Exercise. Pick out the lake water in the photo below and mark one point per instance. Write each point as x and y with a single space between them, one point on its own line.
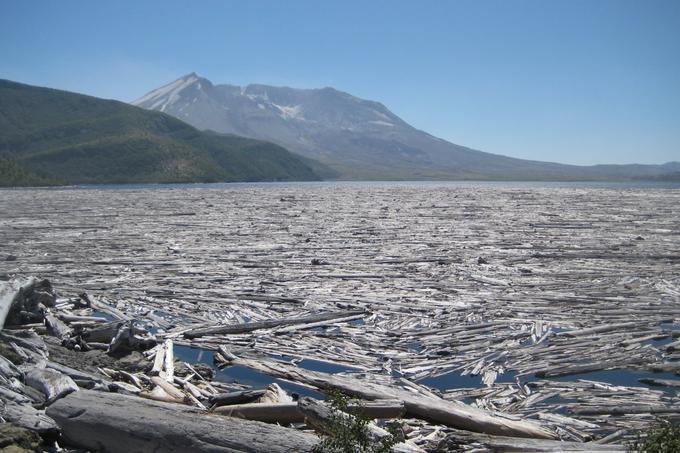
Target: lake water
382 184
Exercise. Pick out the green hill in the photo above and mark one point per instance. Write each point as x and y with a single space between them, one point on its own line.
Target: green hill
56 137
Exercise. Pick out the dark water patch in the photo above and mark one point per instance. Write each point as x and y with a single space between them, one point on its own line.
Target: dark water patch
415 346
239 374
101 314
255 379
621 377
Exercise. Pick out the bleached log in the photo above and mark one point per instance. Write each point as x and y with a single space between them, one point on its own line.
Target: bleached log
123 424
450 413
169 360
51 383
513 444
622 409
319 416
159 360
159 394
56 327
283 413
269 324
275 394
27 416
245 396
289 412
314 325
9 292
103 333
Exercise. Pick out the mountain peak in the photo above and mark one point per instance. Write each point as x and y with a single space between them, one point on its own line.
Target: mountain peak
164 96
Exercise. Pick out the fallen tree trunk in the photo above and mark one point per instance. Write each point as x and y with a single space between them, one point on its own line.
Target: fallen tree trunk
290 412
9 292
621 410
50 383
458 439
114 423
319 416
242 397
271 323
450 413
27 416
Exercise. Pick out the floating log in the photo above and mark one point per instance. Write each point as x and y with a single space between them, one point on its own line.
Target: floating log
620 410
319 416
458 439
269 324
450 413
245 396
290 412
122 424
660 382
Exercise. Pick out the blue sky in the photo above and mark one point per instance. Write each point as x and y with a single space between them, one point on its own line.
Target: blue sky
581 82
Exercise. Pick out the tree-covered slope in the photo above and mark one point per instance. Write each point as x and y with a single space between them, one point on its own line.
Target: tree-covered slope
52 136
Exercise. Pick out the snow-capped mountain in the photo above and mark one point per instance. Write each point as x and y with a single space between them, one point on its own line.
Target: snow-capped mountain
356 138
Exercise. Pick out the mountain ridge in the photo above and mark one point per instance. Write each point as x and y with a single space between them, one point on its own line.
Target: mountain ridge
357 138
50 136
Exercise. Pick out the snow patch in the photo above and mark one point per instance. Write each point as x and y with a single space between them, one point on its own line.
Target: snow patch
290 112
382 123
166 95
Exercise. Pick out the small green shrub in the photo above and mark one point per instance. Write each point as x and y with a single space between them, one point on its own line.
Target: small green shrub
662 437
350 434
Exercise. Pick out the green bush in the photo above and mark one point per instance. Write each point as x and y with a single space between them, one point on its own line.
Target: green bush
348 432
662 437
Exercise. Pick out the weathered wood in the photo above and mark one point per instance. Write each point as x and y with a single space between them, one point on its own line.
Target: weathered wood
9 293
103 333
661 382
450 413
513 444
554 260
50 382
269 324
619 410
289 412
56 327
122 424
27 416
244 396
319 416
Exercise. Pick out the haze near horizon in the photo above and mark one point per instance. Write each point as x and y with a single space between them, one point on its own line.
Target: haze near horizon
572 82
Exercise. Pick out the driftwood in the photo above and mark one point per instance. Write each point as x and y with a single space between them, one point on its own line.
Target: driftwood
450 413
50 382
319 416
661 382
10 293
555 262
122 424
499 444
26 416
269 324
242 397
290 412
57 327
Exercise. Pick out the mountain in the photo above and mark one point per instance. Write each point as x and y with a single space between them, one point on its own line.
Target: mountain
357 138
50 136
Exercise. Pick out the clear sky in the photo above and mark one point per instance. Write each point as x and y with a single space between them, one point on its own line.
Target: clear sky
577 81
